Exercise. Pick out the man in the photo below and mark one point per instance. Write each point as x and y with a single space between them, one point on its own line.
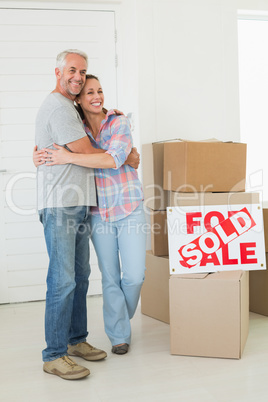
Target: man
65 194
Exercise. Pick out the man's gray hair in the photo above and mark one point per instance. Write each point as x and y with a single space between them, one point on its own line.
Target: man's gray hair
61 58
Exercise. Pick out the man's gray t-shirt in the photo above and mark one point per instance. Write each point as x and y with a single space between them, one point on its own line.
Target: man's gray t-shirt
67 185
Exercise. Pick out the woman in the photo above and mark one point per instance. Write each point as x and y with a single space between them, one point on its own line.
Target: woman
117 223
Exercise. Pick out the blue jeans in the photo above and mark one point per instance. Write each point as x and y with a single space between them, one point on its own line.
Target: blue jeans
123 240
67 238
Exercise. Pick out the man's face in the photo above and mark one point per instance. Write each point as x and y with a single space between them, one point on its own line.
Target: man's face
73 77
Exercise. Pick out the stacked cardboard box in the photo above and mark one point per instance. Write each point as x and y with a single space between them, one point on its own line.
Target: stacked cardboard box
206 166
258 291
187 167
214 326
258 280
205 304
156 198
209 314
183 172
155 290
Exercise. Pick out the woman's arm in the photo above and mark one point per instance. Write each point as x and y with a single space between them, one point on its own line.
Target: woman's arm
120 140
42 156
62 156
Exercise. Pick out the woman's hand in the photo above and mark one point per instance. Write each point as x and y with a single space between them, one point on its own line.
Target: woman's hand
38 157
58 156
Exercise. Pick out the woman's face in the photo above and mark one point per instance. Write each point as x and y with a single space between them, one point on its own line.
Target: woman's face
91 97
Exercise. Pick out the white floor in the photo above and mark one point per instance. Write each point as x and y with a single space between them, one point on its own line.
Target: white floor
147 373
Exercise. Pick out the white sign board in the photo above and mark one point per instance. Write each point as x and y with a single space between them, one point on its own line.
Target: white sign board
211 238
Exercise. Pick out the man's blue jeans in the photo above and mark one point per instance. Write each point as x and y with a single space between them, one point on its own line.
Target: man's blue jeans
67 238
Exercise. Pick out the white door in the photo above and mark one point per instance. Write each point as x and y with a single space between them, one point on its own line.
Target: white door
30 41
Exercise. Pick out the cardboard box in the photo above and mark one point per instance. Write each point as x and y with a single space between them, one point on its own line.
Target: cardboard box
209 314
159 235
193 199
210 232
155 289
265 224
155 197
191 166
258 291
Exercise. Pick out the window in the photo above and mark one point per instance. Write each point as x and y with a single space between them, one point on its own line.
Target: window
253 82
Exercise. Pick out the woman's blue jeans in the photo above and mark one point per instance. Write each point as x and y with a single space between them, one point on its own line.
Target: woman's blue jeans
123 240
67 238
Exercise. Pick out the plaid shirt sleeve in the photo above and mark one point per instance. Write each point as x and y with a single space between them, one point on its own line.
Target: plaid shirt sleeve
121 140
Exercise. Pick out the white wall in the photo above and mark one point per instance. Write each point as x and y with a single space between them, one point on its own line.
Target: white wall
188 68
178 64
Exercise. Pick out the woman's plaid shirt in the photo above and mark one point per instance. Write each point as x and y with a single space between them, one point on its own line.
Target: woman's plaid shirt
119 190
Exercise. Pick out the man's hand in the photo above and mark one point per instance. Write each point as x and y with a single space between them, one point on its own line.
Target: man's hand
117 112
133 159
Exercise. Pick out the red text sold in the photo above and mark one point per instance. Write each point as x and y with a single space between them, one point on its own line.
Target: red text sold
216 238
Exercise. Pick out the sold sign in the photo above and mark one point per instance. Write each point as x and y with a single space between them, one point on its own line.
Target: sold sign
216 238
